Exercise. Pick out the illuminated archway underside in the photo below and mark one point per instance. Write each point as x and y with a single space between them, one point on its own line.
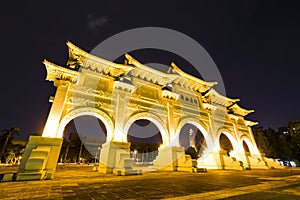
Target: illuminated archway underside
119 94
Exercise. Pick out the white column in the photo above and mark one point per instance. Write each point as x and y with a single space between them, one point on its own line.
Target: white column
121 103
171 123
52 124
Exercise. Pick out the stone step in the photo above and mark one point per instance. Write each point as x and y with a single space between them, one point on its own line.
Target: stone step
126 172
8 177
28 175
201 169
35 163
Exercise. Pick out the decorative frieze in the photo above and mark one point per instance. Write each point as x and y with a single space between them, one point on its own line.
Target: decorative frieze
123 86
170 95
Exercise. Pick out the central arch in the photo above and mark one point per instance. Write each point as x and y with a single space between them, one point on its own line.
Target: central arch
152 118
145 139
199 127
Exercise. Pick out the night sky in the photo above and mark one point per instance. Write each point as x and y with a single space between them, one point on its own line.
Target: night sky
255 45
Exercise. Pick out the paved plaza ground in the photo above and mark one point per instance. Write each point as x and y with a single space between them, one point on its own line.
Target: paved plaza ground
79 182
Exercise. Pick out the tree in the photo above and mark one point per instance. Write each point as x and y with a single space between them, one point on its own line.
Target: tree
262 141
73 149
146 151
284 150
192 152
295 143
272 141
6 140
275 144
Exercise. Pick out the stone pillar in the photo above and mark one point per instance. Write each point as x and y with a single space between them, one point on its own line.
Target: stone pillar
115 158
115 154
271 163
218 159
255 149
173 158
41 153
256 161
212 160
57 107
120 99
228 162
254 158
170 121
119 116
39 159
244 157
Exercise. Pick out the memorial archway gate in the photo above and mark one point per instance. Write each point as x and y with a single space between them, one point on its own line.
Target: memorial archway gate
118 95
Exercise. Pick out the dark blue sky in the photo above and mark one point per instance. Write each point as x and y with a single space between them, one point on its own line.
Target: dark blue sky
255 45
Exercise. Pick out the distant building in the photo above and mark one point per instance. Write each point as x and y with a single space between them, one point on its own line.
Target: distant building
294 126
93 143
74 137
284 130
20 142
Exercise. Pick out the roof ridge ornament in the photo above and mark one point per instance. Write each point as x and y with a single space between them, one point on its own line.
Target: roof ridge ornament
213 96
148 73
239 110
80 58
56 72
73 49
131 60
192 82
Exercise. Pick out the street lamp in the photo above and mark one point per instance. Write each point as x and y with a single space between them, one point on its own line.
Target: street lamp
96 156
99 149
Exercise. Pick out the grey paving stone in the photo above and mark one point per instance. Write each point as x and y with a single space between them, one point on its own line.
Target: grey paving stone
82 183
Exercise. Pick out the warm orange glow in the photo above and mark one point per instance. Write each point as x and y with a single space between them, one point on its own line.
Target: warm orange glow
50 130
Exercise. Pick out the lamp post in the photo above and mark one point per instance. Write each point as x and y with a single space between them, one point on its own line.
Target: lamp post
99 149
96 155
80 150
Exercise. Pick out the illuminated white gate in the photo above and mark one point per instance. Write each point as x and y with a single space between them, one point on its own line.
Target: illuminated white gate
119 94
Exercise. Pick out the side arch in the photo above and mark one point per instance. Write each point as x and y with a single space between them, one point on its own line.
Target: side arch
250 145
233 140
104 117
159 123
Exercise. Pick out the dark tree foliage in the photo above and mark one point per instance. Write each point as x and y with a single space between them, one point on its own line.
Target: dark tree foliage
277 144
192 152
295 143
143 147
145 152
73 149
6 145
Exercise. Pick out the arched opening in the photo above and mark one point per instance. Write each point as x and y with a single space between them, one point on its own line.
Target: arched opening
193 140
225 143
145 138
83 138
246 148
